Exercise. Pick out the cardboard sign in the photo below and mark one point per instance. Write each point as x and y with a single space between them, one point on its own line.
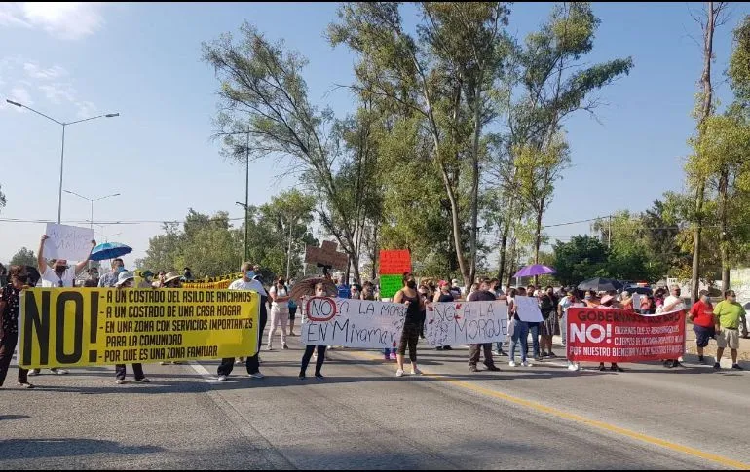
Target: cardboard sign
327 255
528 309
68 242
455 323
396 261
389 285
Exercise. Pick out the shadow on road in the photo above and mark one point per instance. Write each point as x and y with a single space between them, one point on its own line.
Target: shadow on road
13 417
37 448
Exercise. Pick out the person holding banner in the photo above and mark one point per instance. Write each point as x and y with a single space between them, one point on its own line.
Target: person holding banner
482 295
247 282
171 280
61 276
125 280
310 348
608 301
671 303
9 311
414 302
443 295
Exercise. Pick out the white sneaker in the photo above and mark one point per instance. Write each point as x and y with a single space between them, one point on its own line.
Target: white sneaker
256 375
239 362
59 371
222 378
416 372
511 364
573 368
119 381
33 373
269 347
163 363
399 373
527 364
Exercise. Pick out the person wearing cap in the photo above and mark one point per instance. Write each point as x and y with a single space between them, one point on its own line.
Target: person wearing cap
247 282
608 301
125 280
61 276
728 314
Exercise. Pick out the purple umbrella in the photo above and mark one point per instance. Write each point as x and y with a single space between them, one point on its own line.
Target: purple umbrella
536 269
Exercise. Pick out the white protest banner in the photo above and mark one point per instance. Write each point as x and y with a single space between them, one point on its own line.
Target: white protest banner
68 242
351 323
528 309
456 323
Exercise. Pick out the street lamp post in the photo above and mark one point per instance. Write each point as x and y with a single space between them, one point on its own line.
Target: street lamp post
92 200
62 145
244 242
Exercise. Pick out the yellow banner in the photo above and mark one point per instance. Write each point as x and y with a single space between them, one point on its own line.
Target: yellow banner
103 326
218 285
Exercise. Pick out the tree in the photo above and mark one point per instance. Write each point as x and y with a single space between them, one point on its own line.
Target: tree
554 85
24 257
3 201
263 95
440 80
712 16
580 259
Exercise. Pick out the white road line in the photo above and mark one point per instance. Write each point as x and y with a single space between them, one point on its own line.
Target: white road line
200 370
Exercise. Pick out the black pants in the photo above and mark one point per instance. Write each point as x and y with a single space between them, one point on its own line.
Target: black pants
474 351
410 337
121 371
7 347
251 363
308 355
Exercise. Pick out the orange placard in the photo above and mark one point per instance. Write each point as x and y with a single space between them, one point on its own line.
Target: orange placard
395 261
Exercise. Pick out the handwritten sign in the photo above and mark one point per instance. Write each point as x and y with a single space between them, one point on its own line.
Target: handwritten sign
528 309
326 255
68 242
396 261
389 285
351 323
466 323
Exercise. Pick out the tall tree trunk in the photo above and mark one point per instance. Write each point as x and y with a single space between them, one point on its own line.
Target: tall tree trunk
538 237
503 249
475 177
705 112
512 259
724 237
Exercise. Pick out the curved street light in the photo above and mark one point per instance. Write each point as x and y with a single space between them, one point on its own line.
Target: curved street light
62 146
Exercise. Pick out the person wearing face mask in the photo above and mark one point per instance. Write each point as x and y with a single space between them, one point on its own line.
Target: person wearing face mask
247 282
9 311
728 313
702 316
279 312
548 305
110 278
414 302
60 276
310 348
444 295
672 303
483 294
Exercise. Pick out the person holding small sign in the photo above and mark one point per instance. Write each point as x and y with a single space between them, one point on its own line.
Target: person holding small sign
61 276
310 348
415 303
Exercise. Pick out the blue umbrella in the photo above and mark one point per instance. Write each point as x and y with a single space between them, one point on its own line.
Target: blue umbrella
109 251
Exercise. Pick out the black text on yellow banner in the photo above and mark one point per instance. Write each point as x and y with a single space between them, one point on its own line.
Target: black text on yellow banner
101 326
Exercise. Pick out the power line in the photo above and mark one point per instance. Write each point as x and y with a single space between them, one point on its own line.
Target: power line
107 223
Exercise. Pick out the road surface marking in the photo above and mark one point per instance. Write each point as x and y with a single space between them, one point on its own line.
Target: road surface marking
580 419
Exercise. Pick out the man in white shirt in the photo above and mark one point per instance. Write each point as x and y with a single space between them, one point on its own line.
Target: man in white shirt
673 303
61 276
247 282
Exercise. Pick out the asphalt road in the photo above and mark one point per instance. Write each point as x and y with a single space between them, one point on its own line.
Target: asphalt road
361 416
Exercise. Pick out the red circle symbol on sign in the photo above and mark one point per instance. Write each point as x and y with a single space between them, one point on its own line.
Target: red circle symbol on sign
320 308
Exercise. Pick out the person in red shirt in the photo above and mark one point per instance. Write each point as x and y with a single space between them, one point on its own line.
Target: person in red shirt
702 316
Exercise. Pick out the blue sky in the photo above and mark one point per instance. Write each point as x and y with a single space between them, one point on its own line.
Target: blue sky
72 61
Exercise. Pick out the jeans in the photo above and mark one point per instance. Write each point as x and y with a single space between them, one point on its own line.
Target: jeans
534 328
121 371
251 363
410 338
308 355
388 350
520 333
7 346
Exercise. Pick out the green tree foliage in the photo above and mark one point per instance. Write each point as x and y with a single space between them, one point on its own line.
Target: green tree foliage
24 257
264 96
579 259
3 201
